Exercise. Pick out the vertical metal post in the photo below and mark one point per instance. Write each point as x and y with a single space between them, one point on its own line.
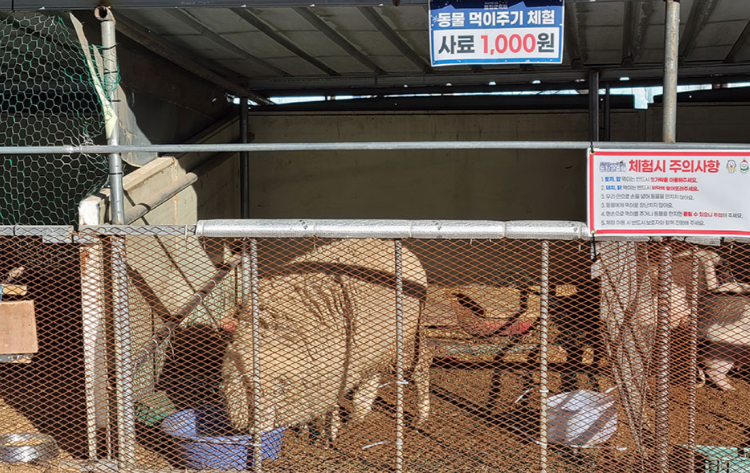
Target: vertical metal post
111 72
594 106
399 361
671 51
607 115
543 351
244 160
250 295
123 356
661 408
693 357
94 343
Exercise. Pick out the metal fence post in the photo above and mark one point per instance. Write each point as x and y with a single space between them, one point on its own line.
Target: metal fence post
593 106
250 294
693 357
123 357
94 343
671 51
661 408
399 360
543 352
111 71
244 161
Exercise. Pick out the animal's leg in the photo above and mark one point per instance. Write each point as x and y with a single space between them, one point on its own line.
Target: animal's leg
422 381
717 369
364 397
334 424
235 392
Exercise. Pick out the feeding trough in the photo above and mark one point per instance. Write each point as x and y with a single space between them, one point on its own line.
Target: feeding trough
206 441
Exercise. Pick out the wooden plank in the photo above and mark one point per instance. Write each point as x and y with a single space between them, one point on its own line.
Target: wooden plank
14 290
18 328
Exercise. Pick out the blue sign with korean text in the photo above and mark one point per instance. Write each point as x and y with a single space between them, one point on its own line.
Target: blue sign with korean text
475 32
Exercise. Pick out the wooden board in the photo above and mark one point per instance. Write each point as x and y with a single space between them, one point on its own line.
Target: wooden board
13 290
17 328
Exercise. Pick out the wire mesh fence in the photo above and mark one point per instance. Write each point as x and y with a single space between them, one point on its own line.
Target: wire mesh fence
160 350
49 96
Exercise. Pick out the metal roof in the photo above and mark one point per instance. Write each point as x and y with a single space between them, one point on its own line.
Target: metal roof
289 46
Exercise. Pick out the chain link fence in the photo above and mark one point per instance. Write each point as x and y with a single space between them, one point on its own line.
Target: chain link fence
161 349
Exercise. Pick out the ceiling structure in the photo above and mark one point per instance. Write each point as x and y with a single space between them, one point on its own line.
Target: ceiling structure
288 47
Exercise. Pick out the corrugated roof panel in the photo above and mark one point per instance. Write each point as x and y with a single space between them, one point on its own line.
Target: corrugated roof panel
282 19
344 64
259 45
221 20
715 41
159 21
343 18
296 66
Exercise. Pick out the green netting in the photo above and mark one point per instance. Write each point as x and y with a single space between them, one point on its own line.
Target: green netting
48 97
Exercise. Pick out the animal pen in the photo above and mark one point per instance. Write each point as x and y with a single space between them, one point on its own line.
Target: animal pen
415 346
340 345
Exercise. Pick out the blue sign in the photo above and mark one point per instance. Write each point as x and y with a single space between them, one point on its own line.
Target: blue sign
475 32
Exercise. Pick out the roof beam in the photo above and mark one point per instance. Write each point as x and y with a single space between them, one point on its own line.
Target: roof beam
634 30
572 43
379 23
337 38
546 74
699 15
165 50
256 22
739 45
188 19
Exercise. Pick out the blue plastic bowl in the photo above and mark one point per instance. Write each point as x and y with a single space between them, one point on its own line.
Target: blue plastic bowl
198 433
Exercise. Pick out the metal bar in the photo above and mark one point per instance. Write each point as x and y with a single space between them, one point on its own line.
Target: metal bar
607 115
244 161
255 347
309 15
261 26
671 49
368 146
661 402
399 361
397 41
543 351
94 343
425 229
123 360
594 105
111 72
693 358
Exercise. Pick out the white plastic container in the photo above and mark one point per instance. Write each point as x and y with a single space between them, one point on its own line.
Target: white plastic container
581 418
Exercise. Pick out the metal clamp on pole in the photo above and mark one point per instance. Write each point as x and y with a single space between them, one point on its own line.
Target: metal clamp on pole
112 126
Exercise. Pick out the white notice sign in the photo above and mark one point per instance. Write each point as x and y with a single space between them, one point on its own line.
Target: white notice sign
669 193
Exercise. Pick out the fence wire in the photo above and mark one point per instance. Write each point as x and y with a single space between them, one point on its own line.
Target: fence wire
48 97
172 352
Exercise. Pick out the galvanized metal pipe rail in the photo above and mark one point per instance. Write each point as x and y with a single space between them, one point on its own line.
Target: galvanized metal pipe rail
365 146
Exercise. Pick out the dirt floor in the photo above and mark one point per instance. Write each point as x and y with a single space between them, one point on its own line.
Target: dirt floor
476 425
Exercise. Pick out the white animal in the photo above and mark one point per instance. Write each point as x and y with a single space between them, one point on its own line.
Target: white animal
723 315
327 328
